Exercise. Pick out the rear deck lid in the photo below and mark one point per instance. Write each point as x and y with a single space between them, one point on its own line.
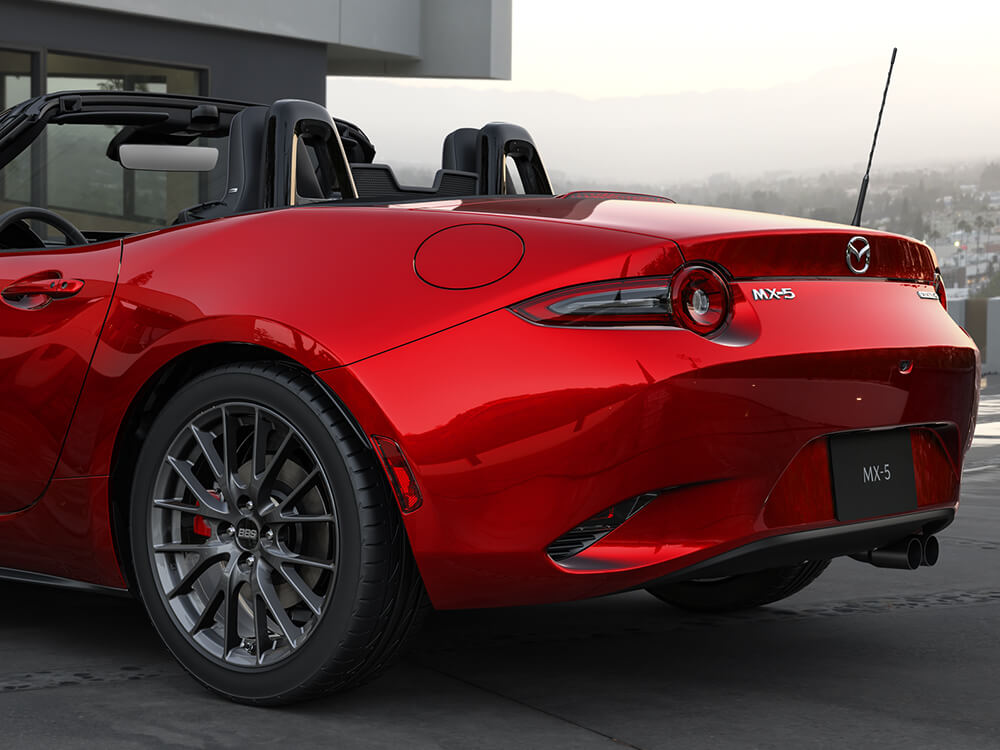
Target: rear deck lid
746 243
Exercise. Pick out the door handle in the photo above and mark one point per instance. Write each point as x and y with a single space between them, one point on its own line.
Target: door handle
37 291
57 288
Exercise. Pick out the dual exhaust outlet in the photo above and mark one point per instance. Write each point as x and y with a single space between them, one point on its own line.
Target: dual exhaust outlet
906 554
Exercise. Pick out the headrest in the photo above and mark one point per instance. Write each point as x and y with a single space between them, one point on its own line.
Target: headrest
460 150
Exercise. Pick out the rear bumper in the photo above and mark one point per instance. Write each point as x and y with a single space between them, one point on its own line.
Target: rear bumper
516 433
815 544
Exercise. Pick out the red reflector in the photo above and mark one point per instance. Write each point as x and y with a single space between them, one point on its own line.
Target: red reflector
201 527
404 486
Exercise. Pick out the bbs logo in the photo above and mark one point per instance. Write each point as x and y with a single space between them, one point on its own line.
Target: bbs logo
783 293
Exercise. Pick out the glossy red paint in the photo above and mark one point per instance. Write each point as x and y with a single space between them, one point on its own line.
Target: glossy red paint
746 243
66 534
45 349
174 297
584 419
514 432
441 259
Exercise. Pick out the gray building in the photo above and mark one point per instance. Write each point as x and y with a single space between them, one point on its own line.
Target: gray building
249 50
255 50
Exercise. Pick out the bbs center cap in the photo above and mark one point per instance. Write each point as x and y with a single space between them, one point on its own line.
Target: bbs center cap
247 535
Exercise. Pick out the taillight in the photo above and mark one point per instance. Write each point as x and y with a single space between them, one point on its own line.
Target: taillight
404 485
701 299
624 302
696 297
939 288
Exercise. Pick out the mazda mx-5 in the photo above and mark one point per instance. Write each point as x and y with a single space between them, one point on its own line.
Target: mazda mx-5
290 403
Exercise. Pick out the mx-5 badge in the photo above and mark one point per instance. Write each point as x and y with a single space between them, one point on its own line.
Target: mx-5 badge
783 293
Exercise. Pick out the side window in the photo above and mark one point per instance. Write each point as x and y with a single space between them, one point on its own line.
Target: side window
67 170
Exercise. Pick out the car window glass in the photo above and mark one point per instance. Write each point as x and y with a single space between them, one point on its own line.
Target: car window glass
67 170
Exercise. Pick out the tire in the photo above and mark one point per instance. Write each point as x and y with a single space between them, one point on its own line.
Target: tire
744 591
268 550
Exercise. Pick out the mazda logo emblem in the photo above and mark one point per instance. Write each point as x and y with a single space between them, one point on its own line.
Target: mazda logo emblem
859 254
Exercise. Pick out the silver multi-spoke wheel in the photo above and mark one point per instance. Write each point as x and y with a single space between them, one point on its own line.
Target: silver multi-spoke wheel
244 534
266 545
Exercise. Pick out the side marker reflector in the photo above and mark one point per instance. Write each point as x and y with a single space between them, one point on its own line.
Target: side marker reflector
404 485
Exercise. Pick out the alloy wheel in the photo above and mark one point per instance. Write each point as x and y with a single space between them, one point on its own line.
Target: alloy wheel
244 538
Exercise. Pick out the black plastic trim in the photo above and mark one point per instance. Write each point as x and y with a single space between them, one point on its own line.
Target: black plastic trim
348 417
815 544
25 576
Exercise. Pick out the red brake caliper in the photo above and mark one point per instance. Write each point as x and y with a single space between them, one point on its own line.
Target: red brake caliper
201 526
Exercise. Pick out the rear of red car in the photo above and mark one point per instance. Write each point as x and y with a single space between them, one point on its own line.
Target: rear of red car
780 393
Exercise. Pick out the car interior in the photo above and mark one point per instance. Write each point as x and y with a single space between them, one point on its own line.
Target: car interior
243 157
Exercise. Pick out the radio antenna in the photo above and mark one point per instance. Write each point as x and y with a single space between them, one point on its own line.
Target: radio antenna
864 181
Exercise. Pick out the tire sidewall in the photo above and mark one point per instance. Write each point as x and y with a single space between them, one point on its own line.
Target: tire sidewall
254 684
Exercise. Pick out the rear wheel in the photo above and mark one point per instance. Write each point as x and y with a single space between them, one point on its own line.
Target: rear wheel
744 591
267 550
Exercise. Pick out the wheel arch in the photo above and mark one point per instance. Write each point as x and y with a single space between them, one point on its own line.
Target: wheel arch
145 405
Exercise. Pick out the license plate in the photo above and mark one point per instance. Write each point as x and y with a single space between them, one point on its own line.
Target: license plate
872 474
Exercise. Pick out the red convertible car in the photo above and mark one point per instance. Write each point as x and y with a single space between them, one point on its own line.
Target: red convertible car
291 404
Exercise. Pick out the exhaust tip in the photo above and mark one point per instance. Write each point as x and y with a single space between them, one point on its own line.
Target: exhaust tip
914 553
932 551
906 554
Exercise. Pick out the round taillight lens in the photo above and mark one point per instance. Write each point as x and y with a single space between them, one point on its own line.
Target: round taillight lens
701 299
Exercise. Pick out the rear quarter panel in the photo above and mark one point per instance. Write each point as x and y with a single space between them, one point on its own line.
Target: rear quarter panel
322 286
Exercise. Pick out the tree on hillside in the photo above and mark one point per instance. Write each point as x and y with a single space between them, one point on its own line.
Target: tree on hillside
991 177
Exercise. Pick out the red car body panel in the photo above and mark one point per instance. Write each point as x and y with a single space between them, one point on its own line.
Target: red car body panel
44 356
581 420
516 432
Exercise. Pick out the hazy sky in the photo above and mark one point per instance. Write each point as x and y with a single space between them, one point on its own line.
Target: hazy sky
698 88
603 48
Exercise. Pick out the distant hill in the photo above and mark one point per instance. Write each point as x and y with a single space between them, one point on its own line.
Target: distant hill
823 122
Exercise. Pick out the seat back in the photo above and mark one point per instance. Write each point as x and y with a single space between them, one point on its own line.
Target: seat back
246 149
294 127
486 152
244 181
460 150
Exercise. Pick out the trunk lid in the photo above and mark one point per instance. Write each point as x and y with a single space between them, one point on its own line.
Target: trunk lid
746 243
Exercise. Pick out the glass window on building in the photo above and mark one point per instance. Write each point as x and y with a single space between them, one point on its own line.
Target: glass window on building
70 72
15 78
15 87
67 168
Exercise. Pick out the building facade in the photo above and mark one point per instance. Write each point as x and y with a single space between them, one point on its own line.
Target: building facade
254 50
247 50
